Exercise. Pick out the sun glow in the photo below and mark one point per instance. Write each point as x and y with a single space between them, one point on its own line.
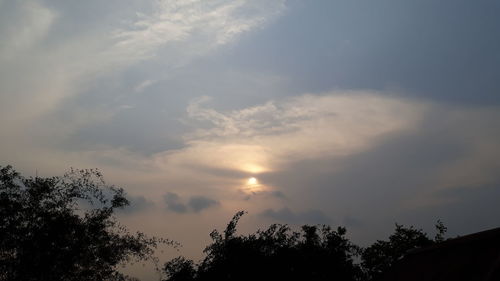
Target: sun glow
252 185
252 181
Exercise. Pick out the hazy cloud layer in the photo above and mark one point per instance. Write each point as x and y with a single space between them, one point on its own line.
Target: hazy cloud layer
137 205
358 113
174 204
394 170
203 24
44 67
287 216
194 204
33 23
199 203
267 137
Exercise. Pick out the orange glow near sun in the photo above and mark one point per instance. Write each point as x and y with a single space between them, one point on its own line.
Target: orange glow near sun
252 181
252 185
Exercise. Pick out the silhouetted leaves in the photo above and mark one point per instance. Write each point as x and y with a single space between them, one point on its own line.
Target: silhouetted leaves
180 269
313 253
440 232
277 253
63 228
380 256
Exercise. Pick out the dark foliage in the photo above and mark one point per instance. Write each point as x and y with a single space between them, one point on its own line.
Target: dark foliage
180 269
63 228
380 256
314 253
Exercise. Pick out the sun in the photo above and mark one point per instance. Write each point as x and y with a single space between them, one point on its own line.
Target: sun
252 181
252 186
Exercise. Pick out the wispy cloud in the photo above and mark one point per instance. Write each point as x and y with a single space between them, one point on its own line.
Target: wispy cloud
39 75
29 24
183 29
196 203
287 143
205 25
268 137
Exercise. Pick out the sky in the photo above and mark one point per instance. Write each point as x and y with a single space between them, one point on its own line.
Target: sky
354 113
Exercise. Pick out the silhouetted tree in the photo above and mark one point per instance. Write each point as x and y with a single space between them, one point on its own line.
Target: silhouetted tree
180 269
380 256
315 253
63 228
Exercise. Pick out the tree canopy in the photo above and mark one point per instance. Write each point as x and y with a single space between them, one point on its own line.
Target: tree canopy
277 253
313 253
381 255
64 228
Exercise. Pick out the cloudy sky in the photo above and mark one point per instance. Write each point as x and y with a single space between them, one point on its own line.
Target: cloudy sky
355 113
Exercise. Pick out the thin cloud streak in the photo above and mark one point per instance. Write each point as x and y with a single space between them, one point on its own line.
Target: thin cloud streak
188 29
267 137
215 23
39 75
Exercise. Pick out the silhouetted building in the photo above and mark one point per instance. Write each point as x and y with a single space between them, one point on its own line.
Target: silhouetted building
472 257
